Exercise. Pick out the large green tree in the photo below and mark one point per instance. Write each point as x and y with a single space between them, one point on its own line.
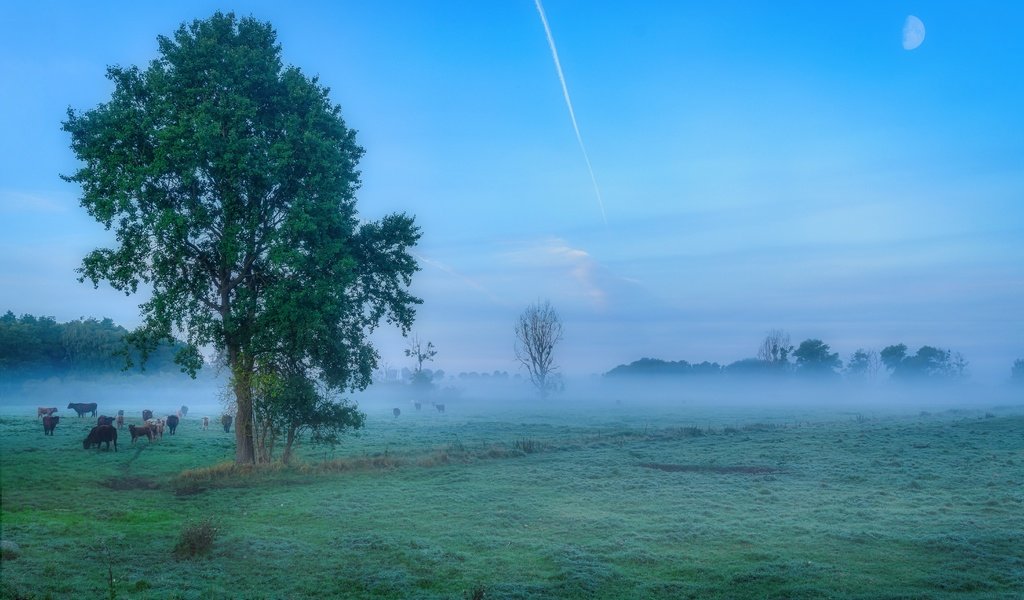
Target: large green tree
230 180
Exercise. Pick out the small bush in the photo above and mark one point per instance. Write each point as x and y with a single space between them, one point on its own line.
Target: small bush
196 539
527 446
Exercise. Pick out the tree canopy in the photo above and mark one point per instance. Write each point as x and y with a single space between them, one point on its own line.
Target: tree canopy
31 345
927 362
815 357
230 180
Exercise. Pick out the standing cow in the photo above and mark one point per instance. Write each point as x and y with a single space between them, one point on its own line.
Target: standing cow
49 424
43 412
137 432
99 435
104 420
147 414
206 423
226 422
83 407
172 423
183 412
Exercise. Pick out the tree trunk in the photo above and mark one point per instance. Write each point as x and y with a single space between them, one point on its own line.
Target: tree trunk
286 458
241 371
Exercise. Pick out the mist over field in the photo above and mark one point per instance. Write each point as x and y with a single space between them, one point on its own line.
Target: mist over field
431 271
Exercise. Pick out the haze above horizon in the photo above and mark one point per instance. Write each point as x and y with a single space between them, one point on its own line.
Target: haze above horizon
759 168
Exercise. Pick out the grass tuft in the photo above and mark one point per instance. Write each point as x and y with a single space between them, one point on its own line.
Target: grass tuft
196 539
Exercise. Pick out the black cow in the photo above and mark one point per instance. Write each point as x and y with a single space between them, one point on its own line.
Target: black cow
183 412
82 407
172 423
49 424
226 422
396 411
147 414
103 420
99 435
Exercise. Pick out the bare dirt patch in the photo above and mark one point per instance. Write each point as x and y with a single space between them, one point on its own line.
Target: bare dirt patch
723 469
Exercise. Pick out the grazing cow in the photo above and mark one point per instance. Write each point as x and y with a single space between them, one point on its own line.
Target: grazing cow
226 422
396 412
206 423
120 420
99 435
140 431
183 412
439 407
49 424
105 420
44 412
82 407
172 423
147 414
417 405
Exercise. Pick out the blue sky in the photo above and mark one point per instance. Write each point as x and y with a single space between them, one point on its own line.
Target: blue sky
762 165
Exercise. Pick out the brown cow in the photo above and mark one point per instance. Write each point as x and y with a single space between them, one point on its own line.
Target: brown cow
103 420
44 412
141 431
49 424
99 435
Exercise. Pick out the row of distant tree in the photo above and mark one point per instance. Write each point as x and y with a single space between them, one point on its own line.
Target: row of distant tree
814 358
30 344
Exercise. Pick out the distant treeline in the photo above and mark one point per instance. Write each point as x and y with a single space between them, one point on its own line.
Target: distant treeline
31 345
814 358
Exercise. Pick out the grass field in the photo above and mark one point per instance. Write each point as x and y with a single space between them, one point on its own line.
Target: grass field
523 503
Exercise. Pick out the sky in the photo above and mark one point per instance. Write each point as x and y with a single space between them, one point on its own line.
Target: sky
760 165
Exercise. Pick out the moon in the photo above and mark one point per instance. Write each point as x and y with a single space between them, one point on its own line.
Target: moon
913 32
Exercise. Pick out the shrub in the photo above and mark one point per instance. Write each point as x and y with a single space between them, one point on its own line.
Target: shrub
196 539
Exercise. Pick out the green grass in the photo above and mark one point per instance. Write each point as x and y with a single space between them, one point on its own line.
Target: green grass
528 505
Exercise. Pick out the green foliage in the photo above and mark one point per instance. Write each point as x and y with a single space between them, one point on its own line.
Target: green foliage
928 362
229 180
30 344
654 366
813 357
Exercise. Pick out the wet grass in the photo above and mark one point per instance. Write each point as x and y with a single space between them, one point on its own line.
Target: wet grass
527 505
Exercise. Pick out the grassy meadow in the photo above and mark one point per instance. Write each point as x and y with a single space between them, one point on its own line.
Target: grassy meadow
523 502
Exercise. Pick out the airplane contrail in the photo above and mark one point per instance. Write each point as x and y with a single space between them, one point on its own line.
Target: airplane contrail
568 103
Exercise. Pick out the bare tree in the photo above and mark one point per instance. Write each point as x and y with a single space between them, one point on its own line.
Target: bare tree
538 330
775 348
420 353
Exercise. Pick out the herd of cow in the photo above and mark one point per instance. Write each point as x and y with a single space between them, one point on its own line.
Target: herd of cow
105 431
